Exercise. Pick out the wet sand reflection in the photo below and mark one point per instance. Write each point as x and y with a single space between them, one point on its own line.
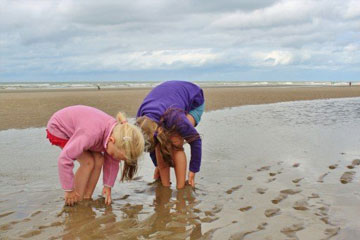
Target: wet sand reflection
174 216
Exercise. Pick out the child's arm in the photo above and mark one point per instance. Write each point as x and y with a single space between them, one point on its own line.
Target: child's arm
189 133
110 172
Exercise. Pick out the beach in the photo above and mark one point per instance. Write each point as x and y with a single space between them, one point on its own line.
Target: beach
278 163
33 108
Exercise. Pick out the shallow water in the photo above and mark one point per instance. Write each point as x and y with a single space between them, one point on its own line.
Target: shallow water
277 171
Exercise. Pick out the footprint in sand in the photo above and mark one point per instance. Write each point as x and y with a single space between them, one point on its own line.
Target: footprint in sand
54 224
272 212
6 214
241 235
265 168
208 219
291 231
322 212
216 209
261 190
296 164
290 191
244 209
249 178
271 180
333 166
330 232
301 205
283 195
126 196
297 180
314 195
140 190
279 198
8 226
230 191
325 220
355 162
31 234
209 213
321 178
347 177
35 213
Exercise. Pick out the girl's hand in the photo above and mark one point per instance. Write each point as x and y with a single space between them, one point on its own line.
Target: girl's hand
106 192
191 178
71 198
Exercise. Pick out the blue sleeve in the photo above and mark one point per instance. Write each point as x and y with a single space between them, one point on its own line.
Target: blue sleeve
153 158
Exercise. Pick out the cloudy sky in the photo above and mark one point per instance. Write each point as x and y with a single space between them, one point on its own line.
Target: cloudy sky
149 40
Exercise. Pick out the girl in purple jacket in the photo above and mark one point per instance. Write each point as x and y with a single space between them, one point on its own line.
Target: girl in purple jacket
96 140
167 116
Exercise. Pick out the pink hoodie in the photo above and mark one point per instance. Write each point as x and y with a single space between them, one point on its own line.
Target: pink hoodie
86 128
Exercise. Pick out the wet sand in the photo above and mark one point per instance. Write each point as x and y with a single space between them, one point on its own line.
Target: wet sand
274 171
23 109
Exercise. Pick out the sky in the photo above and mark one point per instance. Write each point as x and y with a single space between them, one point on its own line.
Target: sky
199 40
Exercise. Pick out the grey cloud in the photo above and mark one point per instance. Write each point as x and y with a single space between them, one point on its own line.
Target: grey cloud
65 36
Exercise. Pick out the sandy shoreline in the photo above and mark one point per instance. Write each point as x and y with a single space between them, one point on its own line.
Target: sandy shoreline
23 109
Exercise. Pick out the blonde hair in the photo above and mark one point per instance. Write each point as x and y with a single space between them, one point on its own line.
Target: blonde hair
129 138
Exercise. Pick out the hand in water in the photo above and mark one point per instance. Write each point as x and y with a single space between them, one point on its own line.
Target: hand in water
106 192
191 178
71 198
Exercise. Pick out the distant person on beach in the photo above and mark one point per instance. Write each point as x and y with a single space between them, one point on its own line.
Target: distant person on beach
167 117
96 140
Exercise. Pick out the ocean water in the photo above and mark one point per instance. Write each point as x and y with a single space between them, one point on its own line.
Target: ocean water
276 171
143 84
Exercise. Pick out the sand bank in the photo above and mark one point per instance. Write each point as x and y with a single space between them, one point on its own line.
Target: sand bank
23 109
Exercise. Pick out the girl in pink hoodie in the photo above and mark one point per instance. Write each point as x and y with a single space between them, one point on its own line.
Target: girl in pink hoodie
96 140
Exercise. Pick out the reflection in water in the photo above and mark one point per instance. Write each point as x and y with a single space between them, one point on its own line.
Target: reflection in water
175 218
172 217
82 221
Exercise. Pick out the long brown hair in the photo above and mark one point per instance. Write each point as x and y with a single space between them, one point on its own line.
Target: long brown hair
161 133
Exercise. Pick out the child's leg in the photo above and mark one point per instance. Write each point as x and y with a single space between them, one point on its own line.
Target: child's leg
82 175
180 162
164 169
95 174
156 173
180 168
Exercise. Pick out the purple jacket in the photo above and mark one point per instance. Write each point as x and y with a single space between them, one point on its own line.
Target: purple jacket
176 94
86 128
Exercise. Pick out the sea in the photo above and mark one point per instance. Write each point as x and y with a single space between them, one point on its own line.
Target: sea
149 84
